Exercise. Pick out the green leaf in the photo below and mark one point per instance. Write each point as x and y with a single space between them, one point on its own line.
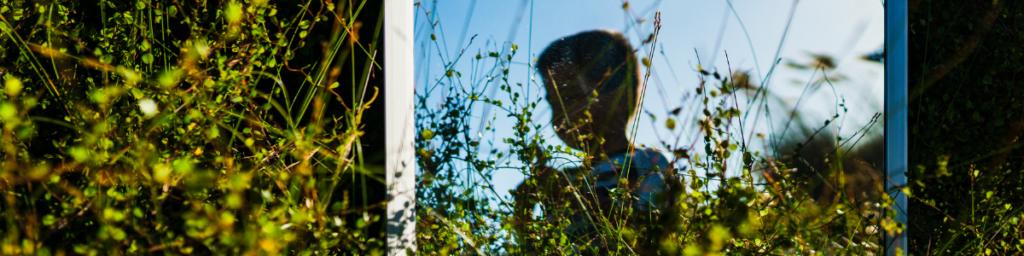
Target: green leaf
233 12
168 78
49 220
161 172
213 132
117 233
13 86
129 75
183 166
681 153
80 154
7 111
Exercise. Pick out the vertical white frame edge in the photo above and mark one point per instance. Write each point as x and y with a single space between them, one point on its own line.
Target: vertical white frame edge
398 111
896 118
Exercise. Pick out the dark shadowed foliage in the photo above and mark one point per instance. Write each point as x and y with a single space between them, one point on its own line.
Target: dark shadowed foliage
965 123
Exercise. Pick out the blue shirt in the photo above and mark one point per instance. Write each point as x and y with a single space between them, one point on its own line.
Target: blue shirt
646 171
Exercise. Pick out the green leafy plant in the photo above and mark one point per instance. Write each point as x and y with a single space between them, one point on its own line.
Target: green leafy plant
964 125
170 127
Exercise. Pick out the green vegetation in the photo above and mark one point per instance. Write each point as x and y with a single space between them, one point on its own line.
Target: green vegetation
768 208
965 123
189 127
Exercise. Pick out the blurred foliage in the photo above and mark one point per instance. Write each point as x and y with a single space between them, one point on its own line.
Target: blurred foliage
188 127
965 122
771 207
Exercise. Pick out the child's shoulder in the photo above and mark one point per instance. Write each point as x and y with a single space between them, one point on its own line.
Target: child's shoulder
646 158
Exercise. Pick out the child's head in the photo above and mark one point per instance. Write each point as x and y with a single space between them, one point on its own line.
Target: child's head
576 67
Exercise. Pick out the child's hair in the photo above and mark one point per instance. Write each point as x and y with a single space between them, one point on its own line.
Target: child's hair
596 54
574 67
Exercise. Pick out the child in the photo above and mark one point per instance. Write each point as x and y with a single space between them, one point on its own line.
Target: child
592 81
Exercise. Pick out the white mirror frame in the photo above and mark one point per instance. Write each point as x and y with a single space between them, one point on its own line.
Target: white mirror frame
399 122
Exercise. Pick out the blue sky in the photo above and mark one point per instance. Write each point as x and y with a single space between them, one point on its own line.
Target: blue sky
844 30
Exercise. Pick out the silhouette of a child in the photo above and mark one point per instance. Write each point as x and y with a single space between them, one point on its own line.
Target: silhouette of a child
592 81
593 76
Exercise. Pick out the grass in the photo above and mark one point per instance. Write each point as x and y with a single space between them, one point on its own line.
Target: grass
207 127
